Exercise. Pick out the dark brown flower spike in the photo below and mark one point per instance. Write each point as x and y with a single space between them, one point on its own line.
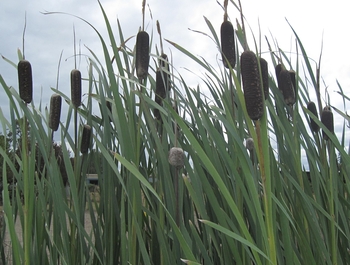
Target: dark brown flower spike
25 81
55 111
312 108
251 85
75 79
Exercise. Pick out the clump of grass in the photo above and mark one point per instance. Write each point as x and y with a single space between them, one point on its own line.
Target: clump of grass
229 207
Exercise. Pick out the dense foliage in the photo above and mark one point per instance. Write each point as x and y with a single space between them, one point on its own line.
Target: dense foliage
234 191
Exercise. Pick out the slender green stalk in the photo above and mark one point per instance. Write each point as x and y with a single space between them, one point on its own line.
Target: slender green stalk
263 155
332 193
26 191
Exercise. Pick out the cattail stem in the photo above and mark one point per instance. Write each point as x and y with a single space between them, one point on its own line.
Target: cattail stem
243 27
333 191
225 8
160 37
26 183
263 157
143 14
232 96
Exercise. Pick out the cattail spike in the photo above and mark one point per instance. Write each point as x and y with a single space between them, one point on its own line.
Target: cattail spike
85 139
176 157
265 77
251 85
228 44
327 120
312 108
278 69
142 55
75 81
55 111
294 82
25 81
285 85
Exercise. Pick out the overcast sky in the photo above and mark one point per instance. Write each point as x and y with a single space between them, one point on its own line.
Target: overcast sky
48 35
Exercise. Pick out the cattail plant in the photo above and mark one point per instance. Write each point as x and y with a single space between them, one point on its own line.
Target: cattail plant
251 85
265 76
312 108
75 79
327 120
228 49
85 139
142 49
55 111
285 85
25 81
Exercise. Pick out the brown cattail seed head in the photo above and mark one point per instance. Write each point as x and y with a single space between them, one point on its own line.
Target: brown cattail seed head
25 81
312 108
164 66
278 69
176 157
294 81
142 54
265 76
85 139
161 84
285 85
249 144
251 85
228 44
156 112
75 81
55 111
327 120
